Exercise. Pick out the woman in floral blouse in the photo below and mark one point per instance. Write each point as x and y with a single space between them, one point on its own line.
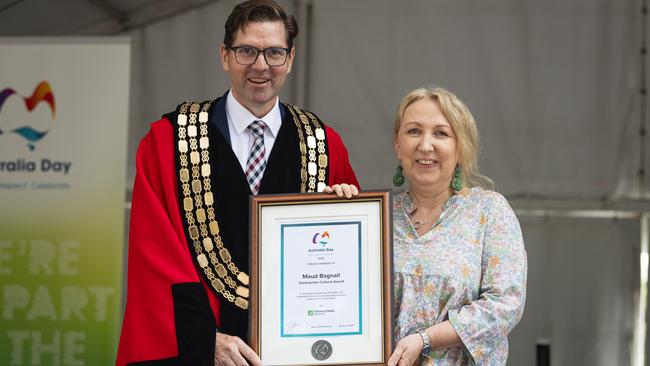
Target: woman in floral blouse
460 262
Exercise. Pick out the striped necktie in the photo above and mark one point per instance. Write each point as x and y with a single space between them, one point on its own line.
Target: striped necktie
255 164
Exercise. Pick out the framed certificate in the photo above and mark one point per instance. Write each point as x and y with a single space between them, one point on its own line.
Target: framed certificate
321 279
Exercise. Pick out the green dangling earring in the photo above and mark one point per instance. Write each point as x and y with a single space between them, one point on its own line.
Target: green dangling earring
398 177
457 182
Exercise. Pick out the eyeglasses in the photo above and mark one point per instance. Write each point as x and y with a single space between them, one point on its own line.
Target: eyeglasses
247 55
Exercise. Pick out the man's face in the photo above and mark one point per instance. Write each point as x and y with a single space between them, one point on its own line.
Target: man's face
256 86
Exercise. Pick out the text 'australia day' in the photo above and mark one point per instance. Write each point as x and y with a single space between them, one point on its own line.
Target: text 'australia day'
45 166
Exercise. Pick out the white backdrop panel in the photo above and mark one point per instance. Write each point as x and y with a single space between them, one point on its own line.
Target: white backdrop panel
583 275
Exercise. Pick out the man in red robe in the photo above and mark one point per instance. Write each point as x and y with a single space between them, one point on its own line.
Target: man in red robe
188 245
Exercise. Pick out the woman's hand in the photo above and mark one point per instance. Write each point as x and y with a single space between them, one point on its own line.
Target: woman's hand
343 189
407 351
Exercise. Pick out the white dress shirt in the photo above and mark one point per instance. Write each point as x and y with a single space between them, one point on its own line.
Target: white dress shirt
240 137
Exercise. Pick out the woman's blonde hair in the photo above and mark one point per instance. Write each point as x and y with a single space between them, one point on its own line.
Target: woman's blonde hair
463 124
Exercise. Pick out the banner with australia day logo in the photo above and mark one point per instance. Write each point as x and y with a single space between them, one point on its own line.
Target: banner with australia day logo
63 145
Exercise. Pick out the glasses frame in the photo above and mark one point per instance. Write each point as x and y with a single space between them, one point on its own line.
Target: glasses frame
260 51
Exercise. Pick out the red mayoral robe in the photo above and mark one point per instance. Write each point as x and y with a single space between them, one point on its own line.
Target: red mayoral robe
172 314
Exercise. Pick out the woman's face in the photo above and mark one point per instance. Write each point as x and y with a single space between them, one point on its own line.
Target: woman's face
426 145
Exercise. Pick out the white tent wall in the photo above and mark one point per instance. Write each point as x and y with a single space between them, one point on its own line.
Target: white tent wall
553 85
582 285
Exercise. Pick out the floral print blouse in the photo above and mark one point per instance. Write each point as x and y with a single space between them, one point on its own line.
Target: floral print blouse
470 269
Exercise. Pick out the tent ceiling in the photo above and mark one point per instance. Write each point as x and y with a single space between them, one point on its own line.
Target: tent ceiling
85 17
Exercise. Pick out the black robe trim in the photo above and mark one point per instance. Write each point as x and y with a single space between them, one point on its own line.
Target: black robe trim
195 332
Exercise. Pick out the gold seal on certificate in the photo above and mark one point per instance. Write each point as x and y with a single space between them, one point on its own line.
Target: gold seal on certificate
321 279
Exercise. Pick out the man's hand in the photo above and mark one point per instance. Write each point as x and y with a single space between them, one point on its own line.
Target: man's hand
232 351
343 189
407 351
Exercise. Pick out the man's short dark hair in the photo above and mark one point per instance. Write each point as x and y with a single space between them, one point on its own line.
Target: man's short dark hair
259 11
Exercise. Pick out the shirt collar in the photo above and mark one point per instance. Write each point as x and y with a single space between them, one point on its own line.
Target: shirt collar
240 117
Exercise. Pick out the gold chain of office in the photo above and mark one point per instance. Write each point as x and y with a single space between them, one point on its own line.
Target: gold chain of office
198 199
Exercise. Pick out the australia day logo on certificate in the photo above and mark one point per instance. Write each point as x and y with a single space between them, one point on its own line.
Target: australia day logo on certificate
321 240
321 286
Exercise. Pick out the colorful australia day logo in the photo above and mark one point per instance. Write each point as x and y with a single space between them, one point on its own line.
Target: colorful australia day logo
42 93
321 239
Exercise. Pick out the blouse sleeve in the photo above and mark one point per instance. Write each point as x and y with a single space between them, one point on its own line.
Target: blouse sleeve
485 322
